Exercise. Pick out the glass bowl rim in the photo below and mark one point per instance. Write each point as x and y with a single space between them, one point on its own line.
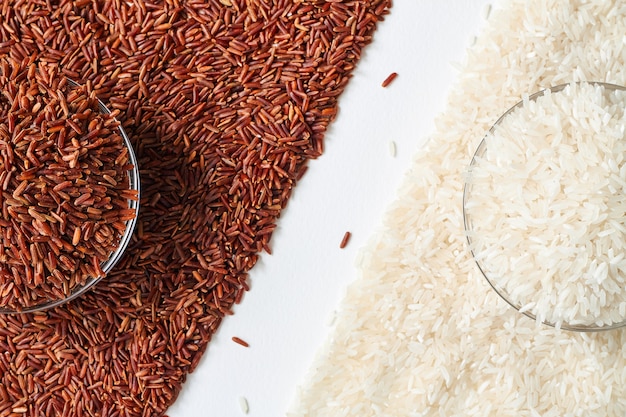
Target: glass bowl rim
109 264
480 149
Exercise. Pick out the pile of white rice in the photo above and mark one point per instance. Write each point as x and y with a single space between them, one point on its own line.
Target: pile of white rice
421 333
546 206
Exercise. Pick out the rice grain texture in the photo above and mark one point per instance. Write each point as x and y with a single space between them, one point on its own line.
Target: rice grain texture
420 332
224 102
545 203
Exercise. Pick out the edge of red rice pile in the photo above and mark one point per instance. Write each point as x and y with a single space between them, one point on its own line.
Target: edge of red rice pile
225 103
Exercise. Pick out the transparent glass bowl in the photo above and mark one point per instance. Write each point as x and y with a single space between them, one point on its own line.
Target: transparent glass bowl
109 264
468 219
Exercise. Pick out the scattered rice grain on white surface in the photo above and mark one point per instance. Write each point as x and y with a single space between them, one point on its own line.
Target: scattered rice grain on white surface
243 404
438 341
486 11
330 320
392 148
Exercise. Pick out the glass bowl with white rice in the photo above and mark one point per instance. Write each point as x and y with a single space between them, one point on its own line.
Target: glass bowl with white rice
544 206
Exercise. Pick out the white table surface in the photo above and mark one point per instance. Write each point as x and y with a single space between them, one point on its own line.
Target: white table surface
294 291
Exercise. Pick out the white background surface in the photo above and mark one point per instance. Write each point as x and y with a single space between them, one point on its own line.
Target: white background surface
294 291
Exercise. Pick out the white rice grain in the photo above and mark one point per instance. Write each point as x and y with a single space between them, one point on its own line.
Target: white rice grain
527 192
546 372
486 11
243 405
392 148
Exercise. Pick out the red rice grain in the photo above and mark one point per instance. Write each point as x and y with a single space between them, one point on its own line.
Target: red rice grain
240 341
58 181
389 79
224 104
345 240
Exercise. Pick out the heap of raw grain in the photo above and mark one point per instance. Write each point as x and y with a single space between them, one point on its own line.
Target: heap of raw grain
64 186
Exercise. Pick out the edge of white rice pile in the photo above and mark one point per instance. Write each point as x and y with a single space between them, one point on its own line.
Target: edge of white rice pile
546 206
420 332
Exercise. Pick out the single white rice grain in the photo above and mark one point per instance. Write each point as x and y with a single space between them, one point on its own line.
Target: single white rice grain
330 320
486 11
392 148
243 404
